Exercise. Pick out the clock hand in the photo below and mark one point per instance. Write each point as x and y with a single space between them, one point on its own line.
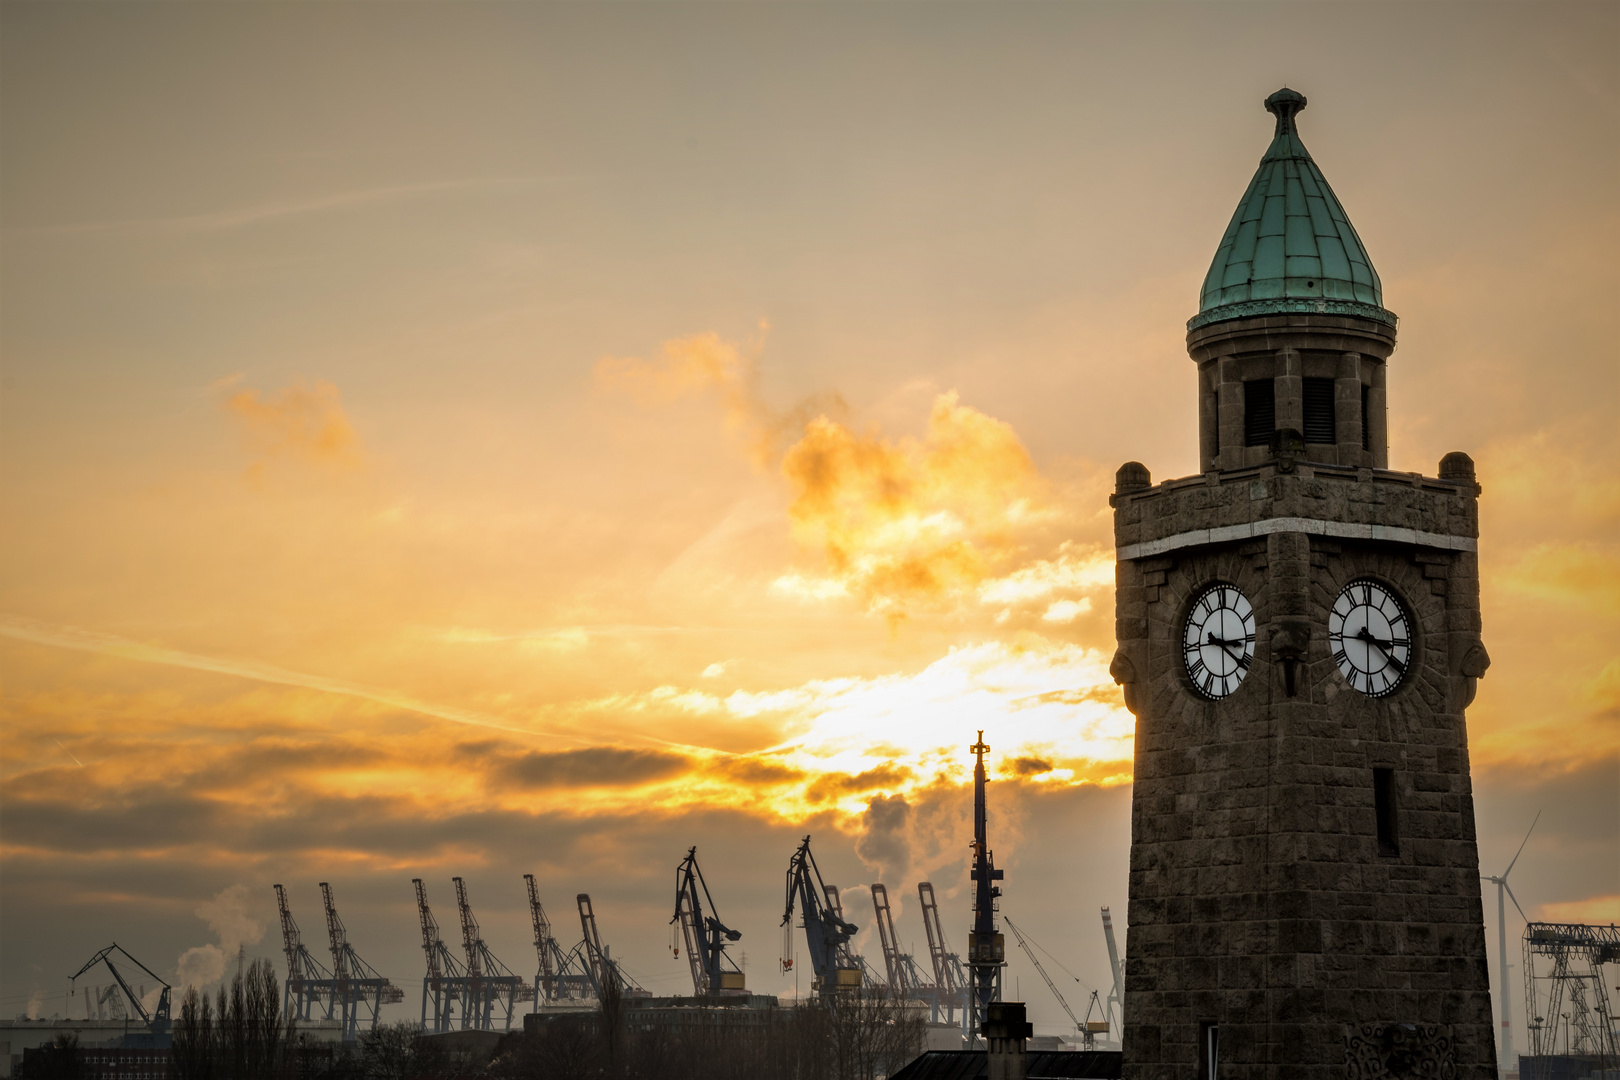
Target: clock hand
1226 646
1383 647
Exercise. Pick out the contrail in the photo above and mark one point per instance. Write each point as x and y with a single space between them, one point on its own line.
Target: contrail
70 637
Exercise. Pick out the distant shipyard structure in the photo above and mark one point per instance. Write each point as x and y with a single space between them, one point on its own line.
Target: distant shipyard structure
1299 635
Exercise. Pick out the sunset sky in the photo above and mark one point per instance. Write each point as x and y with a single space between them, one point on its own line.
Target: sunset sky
487 439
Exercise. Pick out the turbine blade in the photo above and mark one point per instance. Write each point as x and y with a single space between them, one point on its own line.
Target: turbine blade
1516 854
1515 900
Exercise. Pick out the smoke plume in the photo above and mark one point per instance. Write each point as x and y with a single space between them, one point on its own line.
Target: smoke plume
227 916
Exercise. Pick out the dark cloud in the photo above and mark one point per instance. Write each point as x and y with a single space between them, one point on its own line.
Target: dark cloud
593 767
885 842
1030 766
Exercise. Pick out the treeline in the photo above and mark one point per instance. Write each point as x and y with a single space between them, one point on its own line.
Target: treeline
242 1033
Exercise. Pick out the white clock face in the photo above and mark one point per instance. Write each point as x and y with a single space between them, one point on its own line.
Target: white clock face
1371 637
1217 644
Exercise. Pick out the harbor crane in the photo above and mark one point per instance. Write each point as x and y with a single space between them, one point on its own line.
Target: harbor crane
561 974
445 986
1569 1012
825 931
491 986
603 972
309 984
869 976
706 936
1088 1029
987 949
948 974
907 981
1114 1010
356 986
155 1019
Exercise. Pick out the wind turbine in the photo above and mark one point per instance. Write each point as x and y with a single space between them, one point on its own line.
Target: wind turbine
1502 888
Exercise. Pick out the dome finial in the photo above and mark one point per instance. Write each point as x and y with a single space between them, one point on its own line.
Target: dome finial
1285 104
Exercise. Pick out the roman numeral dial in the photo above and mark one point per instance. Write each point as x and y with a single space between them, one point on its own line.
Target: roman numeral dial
1371 638
1217 642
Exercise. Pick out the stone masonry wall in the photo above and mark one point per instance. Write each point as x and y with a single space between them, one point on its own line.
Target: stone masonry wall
1259 899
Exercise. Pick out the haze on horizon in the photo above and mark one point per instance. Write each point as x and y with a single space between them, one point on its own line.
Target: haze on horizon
496 439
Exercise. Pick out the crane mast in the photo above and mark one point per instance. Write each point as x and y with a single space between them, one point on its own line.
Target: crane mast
308 984
492 987
1115 1009
595 959
825 931
948 974
987 949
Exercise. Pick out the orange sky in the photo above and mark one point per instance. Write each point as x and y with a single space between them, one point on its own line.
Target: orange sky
496 439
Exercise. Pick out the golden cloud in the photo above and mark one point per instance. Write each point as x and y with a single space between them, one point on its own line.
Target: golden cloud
303 422
911 520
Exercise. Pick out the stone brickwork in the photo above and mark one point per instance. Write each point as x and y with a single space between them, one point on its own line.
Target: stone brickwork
1260 900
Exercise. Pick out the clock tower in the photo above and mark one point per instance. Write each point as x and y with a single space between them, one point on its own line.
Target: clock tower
1299 634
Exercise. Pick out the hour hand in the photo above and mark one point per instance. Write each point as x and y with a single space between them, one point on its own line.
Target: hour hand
1385 647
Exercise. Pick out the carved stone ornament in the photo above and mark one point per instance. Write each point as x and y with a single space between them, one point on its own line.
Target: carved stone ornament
1376 1051
1124 673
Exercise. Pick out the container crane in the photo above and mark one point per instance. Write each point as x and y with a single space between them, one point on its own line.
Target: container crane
826 933
906 981
560 974
869 977
356 985
445 985
309 985
706 936
491 985
598 964
948 974
156 1020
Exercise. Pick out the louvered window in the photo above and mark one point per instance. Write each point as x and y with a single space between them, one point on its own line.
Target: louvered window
1259 412
1319 411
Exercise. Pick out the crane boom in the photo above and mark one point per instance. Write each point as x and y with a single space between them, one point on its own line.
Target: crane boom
542 937
892 962
1116 996
156 1019
1050 985
706 936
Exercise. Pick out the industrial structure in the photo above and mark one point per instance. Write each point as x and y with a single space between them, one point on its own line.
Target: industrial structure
155 1020
561 976
356 988
713 972
826 933
949 975
493 990
987 947
1567 1000
603 972
445 987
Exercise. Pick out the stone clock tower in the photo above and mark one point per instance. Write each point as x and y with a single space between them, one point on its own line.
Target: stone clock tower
1299 635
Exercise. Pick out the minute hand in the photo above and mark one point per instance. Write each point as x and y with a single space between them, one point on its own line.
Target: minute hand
1384 647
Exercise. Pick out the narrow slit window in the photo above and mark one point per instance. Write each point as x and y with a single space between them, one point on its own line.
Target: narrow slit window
1259 412
1366 421
1389 837
1319 426
1209 1045
1217 420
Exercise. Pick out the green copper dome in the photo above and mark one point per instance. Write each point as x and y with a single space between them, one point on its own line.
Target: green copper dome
1290 246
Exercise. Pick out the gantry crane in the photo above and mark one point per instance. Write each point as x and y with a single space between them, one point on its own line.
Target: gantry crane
948 974
309 984
491 985
1569 1012
825 931
156 1019
445 987
356 986
601 967
561 974
706 936
906 981
1115 1008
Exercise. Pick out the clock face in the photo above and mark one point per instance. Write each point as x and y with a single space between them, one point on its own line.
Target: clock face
1217 644
1371 637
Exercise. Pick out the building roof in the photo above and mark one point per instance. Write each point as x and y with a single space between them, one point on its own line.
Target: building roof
1043 1065
1290 246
